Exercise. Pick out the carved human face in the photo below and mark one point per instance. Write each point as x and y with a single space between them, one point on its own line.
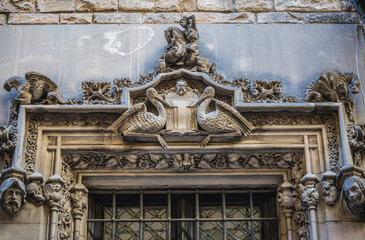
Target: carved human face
181 87
354 193
12 199
184 22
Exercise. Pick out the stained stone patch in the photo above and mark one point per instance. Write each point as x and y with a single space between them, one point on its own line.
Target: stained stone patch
215 5
331 17
308 5
117 18
161 18
175 5
56 5
17 6
76 18
2 19
202 17
136 5
254 6
33 18
96 5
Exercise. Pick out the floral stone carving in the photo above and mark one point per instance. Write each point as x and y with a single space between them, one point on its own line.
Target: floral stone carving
333 87
225 120
182 50
35 88
96 92
137 120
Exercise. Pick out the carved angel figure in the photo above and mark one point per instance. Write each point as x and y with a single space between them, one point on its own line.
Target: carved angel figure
333 87
35 88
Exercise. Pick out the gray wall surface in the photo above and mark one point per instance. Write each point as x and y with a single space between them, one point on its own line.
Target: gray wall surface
295 54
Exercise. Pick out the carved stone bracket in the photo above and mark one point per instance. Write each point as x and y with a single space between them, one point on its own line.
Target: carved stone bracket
286 195
79 205
353 190
35 189
12 190
329 185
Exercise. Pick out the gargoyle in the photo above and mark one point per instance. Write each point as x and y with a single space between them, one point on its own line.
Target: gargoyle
35 88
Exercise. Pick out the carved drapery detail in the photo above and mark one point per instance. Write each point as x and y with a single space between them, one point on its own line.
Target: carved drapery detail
182 161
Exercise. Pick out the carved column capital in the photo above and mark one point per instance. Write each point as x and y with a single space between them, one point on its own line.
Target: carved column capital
310 194
329 188
35 189
79 200
12 190
286 195
53 192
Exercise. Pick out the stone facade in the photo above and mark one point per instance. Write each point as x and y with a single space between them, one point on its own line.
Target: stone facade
167 12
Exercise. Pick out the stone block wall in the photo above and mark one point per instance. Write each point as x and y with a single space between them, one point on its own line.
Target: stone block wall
170 11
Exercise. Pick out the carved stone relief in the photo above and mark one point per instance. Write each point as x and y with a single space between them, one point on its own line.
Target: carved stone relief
329 185
356 136
353 192
35 189
12 195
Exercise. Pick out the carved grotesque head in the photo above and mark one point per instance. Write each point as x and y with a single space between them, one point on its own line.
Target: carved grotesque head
12 195
354 193
181 87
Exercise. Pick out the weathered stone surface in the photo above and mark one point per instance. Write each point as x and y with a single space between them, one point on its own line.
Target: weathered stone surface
308 5
136 5
96 5
348 6
161 18
2 19
56 5
17 5
254 5
215 5
33 18
176 5
343 17
224 17
278 17
117 18
76 18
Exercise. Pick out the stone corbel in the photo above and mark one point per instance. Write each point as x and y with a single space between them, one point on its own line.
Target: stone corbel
329 183
310 197
79 205
53 194
12 190
35 189
286 195
353 190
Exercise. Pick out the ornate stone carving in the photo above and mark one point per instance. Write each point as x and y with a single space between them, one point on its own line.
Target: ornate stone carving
356 136
329 188
182 161
310 194
53 192
35 189
353 193
137 120
264 91
333 87
79 200
37 88
182 50
12 195
8 140
225 120
286 195
96 92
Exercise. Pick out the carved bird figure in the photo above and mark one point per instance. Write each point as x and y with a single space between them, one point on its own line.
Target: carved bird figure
37 87
224 121
137 120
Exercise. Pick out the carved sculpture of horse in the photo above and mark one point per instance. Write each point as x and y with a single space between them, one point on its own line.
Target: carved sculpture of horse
334 87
